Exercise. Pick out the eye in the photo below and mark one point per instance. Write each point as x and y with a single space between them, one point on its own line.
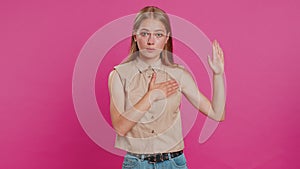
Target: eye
158 35
144 34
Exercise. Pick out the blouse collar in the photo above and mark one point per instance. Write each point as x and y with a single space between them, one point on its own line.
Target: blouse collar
141 65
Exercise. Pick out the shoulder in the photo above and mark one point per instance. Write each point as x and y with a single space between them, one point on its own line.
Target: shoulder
180 73
176 69
124 66
125 69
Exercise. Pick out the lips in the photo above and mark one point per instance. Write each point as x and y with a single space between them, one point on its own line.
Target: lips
150 50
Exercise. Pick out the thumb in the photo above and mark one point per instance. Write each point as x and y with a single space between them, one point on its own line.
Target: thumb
153 78
209 61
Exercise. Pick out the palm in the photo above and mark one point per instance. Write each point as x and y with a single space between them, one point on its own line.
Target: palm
217 62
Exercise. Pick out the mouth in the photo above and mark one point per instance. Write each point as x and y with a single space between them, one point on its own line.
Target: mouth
150 49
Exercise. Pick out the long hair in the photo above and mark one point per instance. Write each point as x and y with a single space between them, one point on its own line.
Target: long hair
156 13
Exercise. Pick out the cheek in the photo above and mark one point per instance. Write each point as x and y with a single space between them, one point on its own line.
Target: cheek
140 44
143 44
160 45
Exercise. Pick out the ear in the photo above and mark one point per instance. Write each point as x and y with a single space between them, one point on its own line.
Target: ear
168 35
134 35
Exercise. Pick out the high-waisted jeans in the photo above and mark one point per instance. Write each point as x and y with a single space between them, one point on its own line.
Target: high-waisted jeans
132 162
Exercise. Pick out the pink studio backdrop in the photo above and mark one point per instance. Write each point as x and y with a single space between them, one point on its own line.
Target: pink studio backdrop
41 40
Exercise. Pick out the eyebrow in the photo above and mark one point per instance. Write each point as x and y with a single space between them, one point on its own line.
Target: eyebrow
157 30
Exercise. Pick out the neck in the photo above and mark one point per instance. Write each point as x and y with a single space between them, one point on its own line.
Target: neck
149 61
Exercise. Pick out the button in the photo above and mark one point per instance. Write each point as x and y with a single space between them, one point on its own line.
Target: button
152 131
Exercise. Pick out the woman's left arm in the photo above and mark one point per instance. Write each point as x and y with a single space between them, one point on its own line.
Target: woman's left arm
214 109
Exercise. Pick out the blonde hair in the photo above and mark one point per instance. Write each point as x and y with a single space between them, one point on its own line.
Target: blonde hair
156 13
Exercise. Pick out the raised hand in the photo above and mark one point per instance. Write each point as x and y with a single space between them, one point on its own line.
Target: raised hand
161 90
216 63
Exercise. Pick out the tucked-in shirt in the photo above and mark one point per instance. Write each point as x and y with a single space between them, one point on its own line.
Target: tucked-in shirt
160 129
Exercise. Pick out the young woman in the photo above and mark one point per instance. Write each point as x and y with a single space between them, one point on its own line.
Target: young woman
145 94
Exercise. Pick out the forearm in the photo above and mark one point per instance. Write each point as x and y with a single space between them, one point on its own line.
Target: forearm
218 100
128 119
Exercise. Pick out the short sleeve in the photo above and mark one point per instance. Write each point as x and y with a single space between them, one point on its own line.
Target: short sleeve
116 90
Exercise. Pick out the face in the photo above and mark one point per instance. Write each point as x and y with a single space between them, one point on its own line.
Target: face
151 37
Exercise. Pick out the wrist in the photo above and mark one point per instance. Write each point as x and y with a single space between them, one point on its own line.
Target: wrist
219 74
150 97
155 94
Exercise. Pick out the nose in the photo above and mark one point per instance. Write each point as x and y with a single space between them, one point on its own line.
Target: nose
150 39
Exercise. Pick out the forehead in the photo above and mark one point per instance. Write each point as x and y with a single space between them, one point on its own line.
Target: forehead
152 25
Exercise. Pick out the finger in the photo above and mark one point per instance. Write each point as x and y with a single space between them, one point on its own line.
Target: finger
215 42
209 60
168 87
222 56
172 88
221 52
215 51
171 84
167 83
216 46
171 92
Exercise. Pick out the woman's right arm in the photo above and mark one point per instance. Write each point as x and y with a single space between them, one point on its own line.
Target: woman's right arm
122 120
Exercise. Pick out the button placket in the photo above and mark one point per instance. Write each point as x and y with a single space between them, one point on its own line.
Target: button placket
149 72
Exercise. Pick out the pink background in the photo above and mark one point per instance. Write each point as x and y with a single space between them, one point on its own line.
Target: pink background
40 42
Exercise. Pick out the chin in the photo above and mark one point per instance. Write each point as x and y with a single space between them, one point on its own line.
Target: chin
150 55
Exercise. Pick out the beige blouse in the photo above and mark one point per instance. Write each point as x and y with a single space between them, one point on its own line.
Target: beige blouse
160 128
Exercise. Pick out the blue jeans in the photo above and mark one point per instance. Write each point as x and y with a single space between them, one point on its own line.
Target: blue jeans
132 162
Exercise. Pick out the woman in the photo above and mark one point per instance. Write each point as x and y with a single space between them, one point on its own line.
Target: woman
145 94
